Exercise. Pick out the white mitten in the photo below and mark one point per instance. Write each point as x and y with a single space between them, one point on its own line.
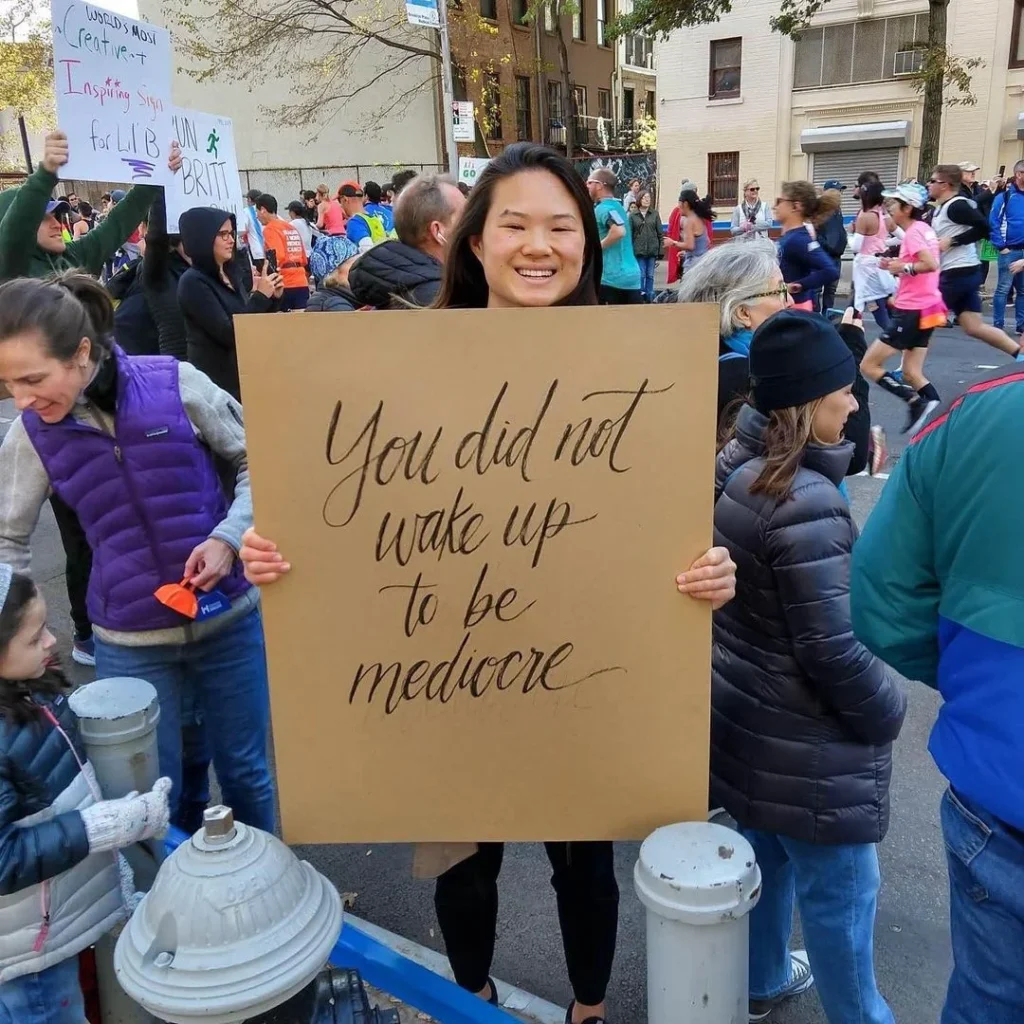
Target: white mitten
114 824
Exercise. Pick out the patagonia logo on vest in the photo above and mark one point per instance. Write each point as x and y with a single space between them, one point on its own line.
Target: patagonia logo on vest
158 432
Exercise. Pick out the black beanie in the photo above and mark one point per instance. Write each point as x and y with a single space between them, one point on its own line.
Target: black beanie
796 357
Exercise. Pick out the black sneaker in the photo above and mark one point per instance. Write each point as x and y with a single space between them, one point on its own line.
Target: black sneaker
589 1020
800 980
493 997
918 410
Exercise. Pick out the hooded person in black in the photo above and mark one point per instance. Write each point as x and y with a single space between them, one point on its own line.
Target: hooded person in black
214 289
407 272
163 266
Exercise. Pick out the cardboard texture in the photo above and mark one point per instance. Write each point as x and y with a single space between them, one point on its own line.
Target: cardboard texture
447 493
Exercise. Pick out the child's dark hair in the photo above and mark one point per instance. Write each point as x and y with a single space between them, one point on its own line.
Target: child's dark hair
16 705
63 310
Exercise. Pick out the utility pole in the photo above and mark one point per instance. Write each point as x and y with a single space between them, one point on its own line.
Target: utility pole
447 97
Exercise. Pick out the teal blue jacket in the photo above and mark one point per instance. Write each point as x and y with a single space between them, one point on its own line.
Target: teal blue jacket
937 586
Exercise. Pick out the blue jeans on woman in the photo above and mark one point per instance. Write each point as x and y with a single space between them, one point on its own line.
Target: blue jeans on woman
647 276
1003 289
986 914
53 996
228 670
836 890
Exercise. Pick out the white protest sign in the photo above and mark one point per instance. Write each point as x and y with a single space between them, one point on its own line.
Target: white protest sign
112 77
470 168
209 168
462 120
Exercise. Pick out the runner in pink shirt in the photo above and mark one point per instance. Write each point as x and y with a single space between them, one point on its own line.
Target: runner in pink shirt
918 306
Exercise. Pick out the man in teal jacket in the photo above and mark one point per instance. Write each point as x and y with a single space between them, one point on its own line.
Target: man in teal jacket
31 239
937 591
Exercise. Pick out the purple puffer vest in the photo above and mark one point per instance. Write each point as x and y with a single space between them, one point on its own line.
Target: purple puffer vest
145 497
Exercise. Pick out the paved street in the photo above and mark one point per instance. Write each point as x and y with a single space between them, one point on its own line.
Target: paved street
912 947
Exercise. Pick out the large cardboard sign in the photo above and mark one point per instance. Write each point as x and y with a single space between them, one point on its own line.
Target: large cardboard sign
112 76
485 511
209 166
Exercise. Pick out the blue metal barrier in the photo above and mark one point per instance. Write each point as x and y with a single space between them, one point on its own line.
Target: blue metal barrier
406 980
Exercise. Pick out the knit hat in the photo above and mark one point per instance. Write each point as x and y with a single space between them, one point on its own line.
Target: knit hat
796 357
6 575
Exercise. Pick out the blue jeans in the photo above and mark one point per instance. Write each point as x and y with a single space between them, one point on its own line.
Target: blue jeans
647 276
228 671
52 996
1003 289
836 889
986 915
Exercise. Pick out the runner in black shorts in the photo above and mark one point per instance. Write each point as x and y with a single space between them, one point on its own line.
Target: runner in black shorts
918 307
960 225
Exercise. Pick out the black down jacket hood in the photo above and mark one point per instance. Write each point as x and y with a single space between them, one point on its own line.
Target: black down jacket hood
395 269
803 715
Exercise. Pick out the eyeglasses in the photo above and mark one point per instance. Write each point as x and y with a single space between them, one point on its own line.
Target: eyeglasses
781 199
937 181
227 236
754 188
781 292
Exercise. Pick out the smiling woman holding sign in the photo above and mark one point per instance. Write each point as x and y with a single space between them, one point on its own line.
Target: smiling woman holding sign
528 238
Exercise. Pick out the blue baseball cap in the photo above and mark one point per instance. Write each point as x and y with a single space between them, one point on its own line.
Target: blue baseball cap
58 206
117 195
834 184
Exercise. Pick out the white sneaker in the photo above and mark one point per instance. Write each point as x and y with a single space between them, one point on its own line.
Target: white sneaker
800 980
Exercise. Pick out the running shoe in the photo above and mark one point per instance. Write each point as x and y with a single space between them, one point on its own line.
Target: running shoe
878 451
84 651
897 374
589 1020
918 410
800 980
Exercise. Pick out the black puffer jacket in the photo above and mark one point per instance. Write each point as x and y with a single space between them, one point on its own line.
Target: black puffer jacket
802 715
395 270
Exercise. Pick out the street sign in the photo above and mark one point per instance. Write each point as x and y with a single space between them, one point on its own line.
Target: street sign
422 12
462 118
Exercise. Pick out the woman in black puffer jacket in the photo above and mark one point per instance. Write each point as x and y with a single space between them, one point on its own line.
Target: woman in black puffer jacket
803 715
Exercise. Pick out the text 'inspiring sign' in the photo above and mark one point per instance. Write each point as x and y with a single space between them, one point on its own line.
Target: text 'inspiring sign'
112 77
209 166
485 511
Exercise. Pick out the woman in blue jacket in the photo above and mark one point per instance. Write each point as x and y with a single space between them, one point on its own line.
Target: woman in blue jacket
806 267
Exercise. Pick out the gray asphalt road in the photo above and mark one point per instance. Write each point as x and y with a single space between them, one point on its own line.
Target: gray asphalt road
912 946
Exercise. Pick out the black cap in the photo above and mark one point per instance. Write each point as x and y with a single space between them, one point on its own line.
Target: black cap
796 357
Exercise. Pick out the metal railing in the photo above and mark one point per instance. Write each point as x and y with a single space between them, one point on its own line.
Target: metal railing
602 134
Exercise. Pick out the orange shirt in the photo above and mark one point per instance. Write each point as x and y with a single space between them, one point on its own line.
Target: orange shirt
286 242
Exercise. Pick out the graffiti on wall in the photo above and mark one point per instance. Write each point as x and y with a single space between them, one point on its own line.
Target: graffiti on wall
641 166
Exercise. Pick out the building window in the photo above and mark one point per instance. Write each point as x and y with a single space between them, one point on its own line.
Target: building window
628 106
520 9
555 101
523 126
875 50
726 58
579 100
492 104
602 22
604 103
549 16
579 21
459 90
489 9
649 105
1016 42
723 178
639 51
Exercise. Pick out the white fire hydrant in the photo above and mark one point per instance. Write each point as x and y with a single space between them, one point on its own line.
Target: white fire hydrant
698 882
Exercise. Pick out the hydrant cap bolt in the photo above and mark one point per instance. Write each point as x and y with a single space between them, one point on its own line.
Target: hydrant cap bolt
218 824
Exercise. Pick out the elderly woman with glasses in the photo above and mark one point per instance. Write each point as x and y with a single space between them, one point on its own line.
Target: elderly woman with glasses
753 217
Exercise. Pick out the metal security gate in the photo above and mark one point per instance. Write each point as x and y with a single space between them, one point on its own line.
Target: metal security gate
847 165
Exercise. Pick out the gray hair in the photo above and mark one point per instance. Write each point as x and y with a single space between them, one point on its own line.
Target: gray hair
729 274
419 204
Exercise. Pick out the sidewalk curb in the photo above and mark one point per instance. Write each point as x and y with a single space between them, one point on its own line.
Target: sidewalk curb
509 997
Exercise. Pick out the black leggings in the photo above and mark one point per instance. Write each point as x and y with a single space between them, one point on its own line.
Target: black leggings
466 899
78 565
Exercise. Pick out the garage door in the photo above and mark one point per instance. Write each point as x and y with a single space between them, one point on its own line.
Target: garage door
848 165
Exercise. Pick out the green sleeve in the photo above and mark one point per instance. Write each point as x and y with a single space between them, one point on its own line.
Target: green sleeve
100 244
20 225
894 586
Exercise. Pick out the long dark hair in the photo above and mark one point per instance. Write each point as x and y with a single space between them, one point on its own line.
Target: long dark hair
871 195
701 207
463 284
63 310
16 705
